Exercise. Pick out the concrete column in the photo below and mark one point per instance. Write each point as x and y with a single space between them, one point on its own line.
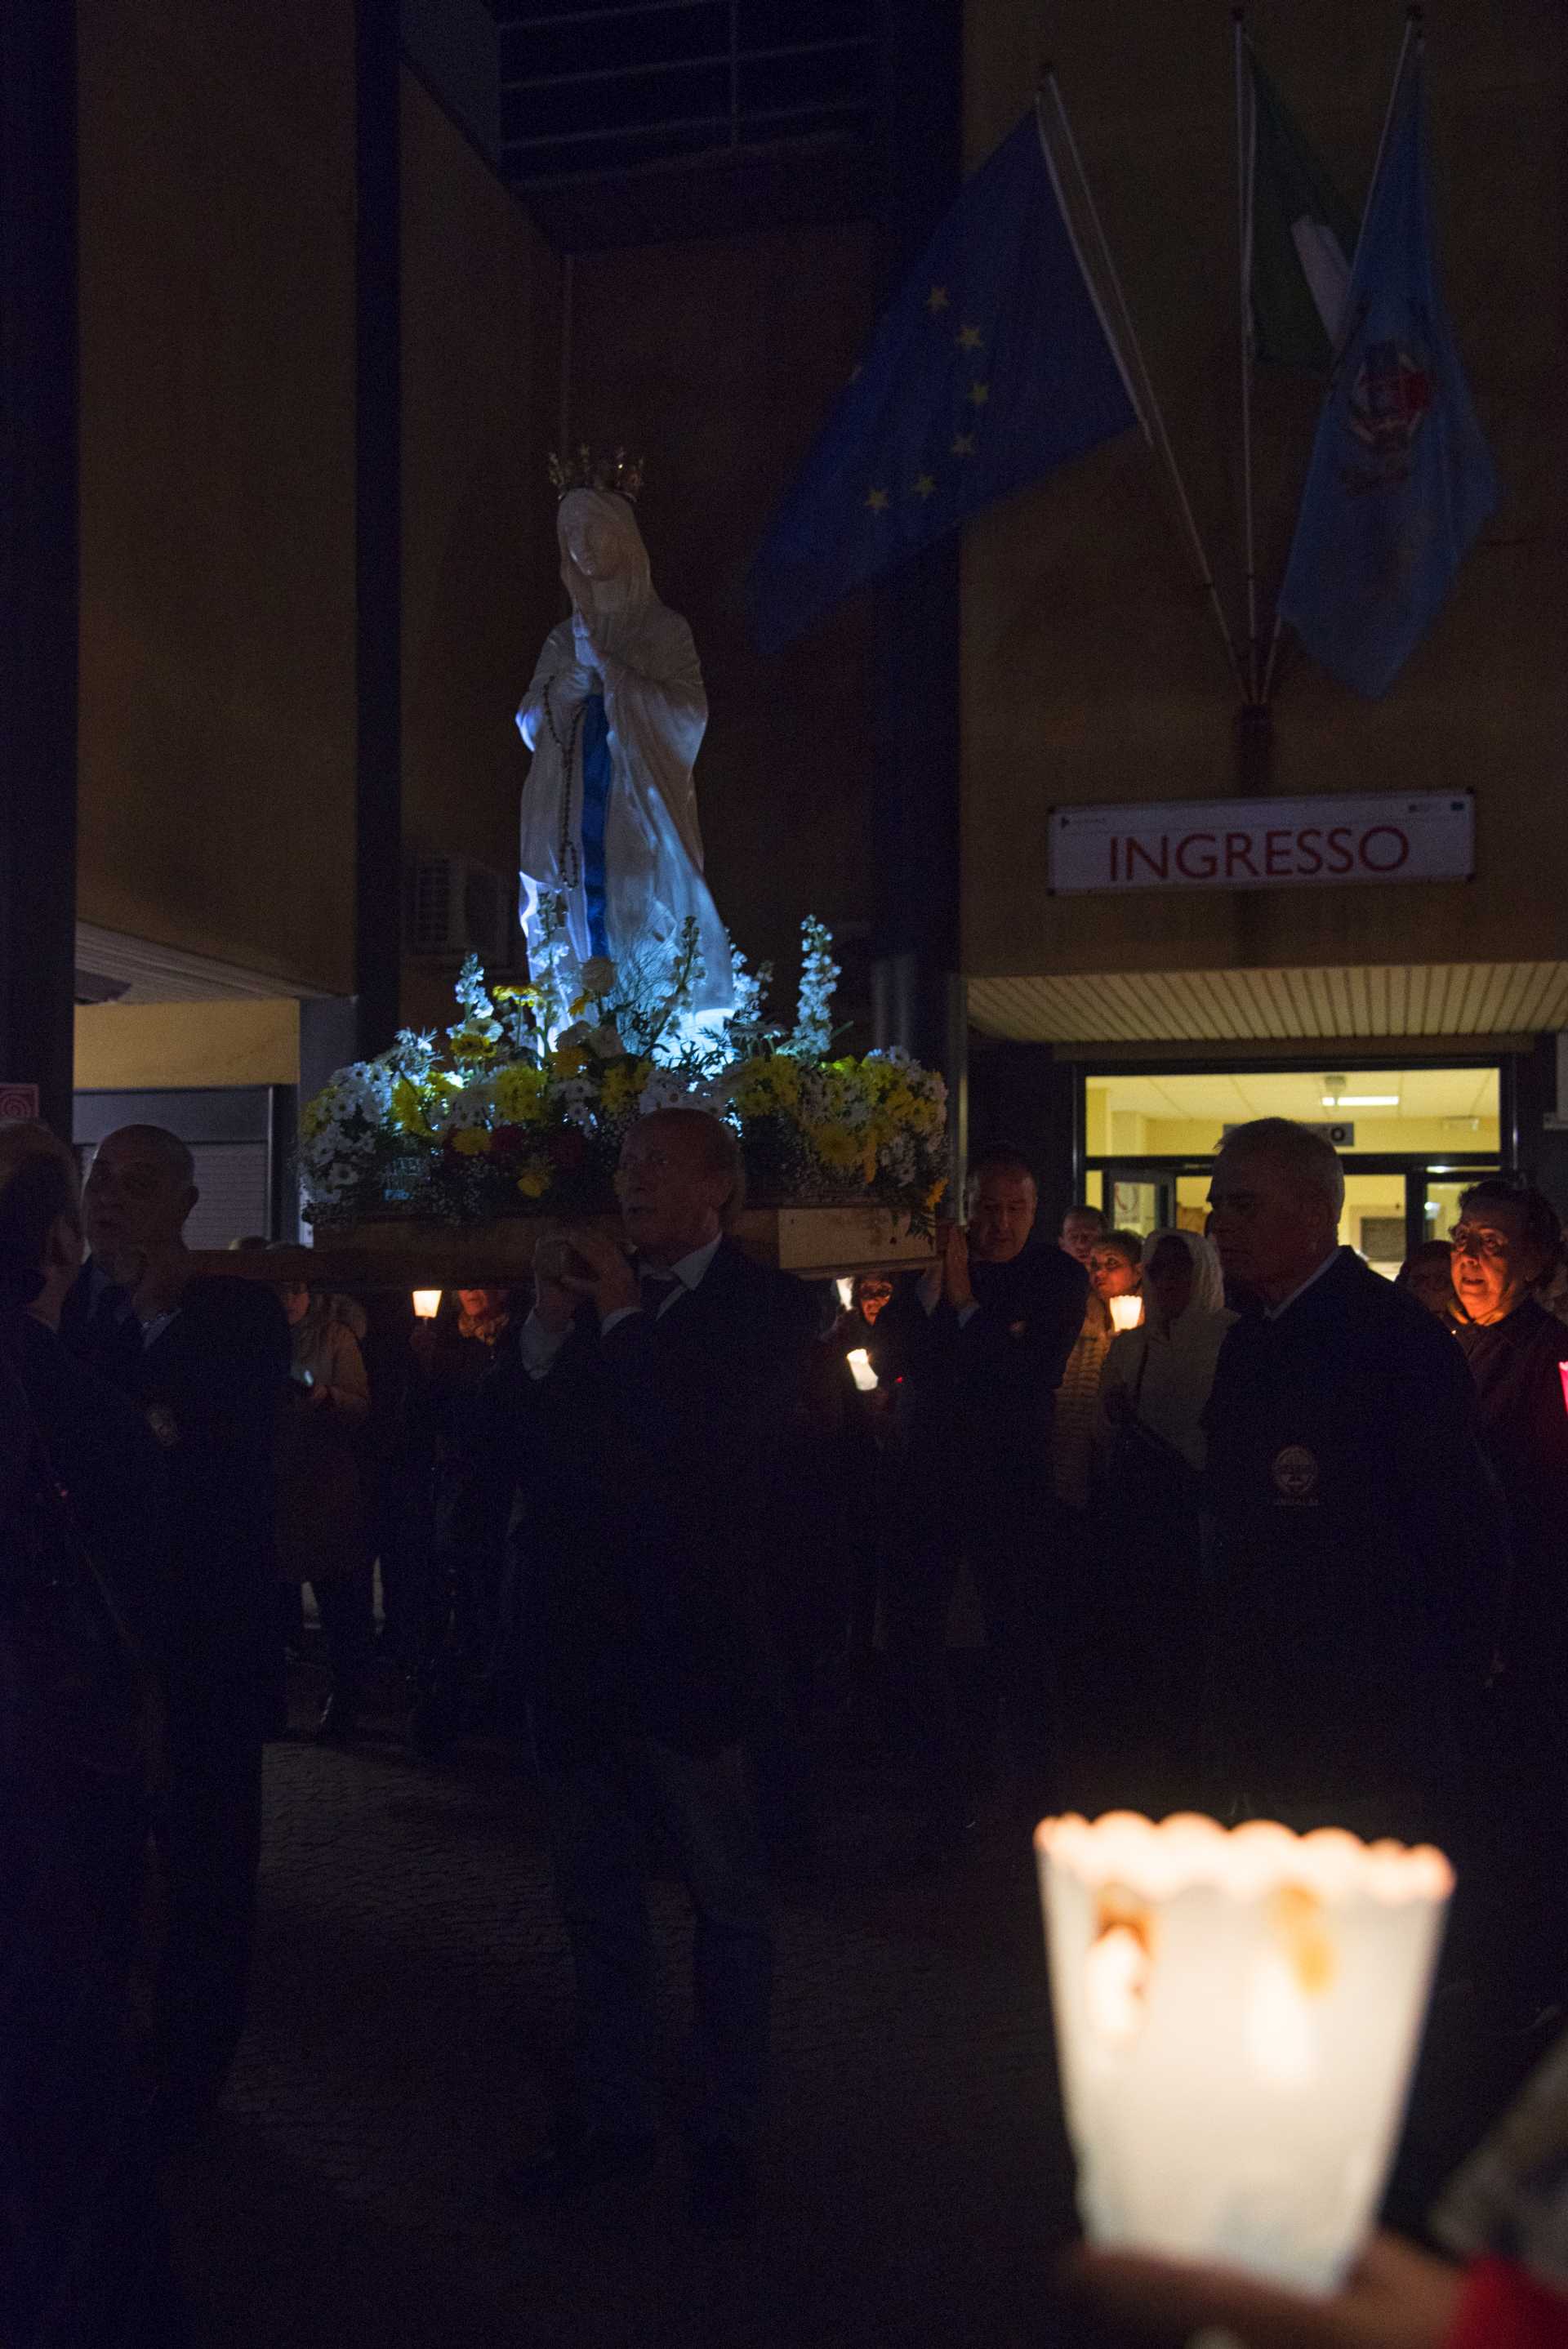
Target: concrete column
378 863
38 548
915 824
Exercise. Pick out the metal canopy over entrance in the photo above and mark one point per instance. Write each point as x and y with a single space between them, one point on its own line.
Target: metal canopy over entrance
1274 1007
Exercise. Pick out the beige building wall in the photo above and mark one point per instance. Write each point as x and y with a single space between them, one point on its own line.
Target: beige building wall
719 358
481 390
152 1047
217 481
1091 669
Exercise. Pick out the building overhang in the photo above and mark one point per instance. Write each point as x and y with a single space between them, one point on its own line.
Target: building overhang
114 967
1436 1005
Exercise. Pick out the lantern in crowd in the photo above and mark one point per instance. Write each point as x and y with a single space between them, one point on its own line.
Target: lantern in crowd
1126 1312
1237 2012
860 1369
427 1304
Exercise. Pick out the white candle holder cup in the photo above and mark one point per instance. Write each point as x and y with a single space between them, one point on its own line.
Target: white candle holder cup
1237 2013
1126 1312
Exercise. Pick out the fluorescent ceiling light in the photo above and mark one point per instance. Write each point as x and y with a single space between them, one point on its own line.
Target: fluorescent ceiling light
1360 1101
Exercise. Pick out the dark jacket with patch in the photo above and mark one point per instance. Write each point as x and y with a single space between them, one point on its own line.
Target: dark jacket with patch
1360 1562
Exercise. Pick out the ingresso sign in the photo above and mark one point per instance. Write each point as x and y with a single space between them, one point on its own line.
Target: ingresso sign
1264 844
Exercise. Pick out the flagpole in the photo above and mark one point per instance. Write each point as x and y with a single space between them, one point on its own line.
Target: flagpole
1150 415
1246 167
1415 33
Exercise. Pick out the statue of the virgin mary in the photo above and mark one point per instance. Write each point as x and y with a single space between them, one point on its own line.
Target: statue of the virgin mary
611 852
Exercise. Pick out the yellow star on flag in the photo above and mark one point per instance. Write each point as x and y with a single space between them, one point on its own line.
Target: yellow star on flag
877 501
969 339
964 445
936 299
924 486
979 393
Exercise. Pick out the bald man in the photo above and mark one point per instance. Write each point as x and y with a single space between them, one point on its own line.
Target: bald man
205 1361
663 1383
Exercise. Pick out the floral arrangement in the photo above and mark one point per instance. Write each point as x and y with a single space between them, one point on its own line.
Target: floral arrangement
520 1107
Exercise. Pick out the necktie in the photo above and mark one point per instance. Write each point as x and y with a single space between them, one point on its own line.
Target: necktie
113 1332
656 1288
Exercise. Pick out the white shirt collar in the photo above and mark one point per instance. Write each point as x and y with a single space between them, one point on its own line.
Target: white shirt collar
1273 1312
690 1268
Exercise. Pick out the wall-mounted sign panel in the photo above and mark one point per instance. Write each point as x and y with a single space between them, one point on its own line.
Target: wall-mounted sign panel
1264 844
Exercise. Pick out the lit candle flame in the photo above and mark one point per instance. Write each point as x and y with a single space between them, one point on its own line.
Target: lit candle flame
860 1369
427 1304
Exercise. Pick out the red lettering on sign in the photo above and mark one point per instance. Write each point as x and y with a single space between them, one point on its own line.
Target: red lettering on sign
1205 847
1160 864
1115 856
1305 846
1389 863
1276 859
1340 859
1239 851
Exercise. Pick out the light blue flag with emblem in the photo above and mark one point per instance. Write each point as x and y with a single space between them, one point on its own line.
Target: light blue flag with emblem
1400 478
993 367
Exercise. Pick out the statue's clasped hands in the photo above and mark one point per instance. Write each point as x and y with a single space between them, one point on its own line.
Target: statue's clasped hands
586 650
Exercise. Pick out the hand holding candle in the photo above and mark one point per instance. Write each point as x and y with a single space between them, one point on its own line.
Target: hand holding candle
1236 2018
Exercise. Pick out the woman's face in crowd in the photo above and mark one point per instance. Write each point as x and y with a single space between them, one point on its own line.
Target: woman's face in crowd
296 1299
871 1296
1111 1274
1168 1279
1494 1264
479 1303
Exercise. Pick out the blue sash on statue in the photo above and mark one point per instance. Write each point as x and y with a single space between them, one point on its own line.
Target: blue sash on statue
596 802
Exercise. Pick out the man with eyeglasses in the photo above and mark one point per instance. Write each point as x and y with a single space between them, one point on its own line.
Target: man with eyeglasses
1359 1558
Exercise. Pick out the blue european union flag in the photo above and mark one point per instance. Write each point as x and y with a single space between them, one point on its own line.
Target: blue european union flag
991 367
1400 478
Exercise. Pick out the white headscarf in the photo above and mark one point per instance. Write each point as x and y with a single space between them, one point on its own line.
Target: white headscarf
1208 1280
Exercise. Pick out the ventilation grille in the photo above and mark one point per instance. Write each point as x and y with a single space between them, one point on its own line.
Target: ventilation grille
458 907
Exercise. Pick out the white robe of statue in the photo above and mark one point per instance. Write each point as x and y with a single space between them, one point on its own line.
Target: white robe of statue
614 838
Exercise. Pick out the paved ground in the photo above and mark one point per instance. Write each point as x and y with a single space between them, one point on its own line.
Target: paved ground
410 2009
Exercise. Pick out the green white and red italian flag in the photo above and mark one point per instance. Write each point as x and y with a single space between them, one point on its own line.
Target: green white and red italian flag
1300 233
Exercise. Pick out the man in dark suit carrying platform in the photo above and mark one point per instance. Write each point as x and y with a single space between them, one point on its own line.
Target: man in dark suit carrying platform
663 1388
979 1344
205 1361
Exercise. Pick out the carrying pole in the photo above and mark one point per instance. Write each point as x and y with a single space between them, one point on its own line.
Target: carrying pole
1127 347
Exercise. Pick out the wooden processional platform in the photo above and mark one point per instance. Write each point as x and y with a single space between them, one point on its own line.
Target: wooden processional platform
814 1243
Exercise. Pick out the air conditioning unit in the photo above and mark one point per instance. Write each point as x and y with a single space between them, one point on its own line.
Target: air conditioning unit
458 907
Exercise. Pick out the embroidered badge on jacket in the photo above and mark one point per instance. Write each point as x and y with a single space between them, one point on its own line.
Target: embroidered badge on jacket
1295 1472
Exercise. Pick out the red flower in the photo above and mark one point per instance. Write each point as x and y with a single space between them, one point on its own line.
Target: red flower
508 1142
568 1149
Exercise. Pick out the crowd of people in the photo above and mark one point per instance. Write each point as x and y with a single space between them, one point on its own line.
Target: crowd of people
1218 1520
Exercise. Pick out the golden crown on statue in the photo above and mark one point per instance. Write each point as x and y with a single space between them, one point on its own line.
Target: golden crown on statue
587 471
